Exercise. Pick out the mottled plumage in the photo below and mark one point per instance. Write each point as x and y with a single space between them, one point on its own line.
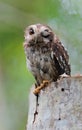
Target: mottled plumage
46 57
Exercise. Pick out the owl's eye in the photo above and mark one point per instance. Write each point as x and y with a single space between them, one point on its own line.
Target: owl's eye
46 30
31 31
45 33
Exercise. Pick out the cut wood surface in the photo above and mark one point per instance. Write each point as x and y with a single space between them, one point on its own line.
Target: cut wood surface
58 107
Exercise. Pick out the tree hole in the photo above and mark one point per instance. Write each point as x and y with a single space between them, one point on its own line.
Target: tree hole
62 89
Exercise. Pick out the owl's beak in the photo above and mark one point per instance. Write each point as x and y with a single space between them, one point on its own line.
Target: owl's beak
39 38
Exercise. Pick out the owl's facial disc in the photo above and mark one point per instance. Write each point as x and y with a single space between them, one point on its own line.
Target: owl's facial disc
38 34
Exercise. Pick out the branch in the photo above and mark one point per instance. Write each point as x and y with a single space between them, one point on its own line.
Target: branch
58 107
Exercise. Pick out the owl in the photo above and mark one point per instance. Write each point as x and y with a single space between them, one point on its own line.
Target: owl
46 57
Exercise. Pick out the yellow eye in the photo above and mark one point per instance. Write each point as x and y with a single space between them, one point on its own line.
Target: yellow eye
31 31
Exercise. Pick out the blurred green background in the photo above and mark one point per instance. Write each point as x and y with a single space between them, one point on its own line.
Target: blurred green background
65 17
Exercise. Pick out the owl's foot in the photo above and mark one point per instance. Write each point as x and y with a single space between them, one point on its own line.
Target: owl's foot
42 85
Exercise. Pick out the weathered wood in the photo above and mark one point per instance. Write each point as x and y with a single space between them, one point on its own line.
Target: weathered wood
59 106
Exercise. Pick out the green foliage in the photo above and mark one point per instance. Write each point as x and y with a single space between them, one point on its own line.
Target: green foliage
64 17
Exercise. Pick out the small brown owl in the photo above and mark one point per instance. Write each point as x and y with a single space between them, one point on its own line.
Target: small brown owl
46 57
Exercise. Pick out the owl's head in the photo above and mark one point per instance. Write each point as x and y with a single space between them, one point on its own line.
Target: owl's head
38 34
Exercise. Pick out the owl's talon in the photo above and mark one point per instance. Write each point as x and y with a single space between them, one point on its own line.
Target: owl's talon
36 91
45 81
44 84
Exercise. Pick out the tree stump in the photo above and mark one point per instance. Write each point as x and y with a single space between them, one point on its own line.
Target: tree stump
58 107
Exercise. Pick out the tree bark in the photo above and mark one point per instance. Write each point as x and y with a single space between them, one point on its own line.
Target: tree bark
58 107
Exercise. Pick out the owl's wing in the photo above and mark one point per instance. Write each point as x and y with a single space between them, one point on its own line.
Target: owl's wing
60 57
